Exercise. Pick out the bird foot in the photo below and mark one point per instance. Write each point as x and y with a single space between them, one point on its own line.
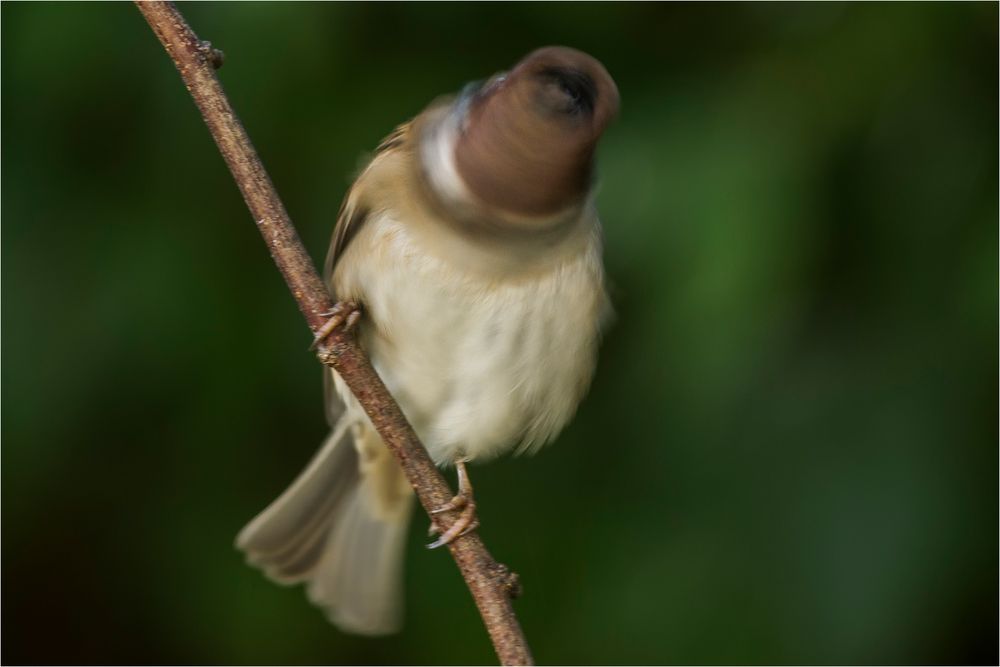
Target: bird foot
345 313
466 522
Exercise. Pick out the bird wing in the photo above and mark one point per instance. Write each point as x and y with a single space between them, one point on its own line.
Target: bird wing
353 213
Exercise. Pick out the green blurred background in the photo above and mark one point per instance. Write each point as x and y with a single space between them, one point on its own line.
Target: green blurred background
789 453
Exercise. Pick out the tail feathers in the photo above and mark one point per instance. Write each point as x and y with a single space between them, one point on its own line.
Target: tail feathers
359 581
286 539
327 530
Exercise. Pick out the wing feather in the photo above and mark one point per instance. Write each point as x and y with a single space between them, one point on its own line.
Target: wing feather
354 210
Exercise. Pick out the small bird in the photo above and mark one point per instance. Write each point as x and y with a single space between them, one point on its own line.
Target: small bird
467 257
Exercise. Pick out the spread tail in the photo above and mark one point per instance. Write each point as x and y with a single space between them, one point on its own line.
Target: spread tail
336 530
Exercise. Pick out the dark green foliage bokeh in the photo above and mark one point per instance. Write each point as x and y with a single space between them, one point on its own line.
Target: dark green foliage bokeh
789 453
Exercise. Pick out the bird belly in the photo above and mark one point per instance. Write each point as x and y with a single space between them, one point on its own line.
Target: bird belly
480 366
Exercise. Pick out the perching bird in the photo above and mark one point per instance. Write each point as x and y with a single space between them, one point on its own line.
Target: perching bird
471 247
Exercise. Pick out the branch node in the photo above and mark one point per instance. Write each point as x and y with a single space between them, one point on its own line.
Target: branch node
327 355
213 56
508 580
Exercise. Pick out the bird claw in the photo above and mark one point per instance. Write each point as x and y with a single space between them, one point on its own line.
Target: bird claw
466 522
456 503
345 313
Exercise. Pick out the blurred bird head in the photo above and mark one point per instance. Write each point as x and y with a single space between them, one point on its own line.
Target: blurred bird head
522 143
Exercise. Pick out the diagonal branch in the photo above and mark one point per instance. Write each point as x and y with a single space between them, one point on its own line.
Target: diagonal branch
492 585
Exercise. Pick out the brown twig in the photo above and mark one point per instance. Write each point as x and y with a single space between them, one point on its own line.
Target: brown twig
492 584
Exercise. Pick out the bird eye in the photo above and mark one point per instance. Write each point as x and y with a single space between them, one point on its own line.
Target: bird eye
576 88
571 92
